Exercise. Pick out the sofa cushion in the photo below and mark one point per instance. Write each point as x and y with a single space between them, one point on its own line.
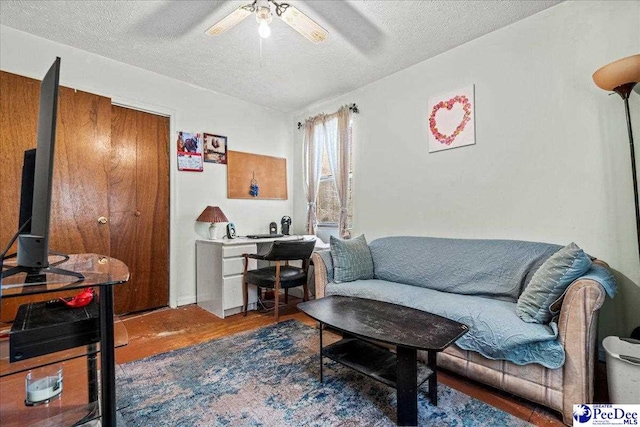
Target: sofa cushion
549 283
491 268
495 330
351 259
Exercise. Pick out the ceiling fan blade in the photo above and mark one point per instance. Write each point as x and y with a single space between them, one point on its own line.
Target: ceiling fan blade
303 24
229 21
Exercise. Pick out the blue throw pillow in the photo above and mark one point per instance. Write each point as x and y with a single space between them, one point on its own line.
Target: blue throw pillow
549 283
351 259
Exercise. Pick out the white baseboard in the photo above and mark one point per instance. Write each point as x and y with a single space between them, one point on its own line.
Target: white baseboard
186 300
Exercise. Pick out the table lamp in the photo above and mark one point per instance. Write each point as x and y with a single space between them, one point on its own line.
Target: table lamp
620 77
213 215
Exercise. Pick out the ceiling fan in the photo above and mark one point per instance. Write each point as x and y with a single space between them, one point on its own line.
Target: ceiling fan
288 13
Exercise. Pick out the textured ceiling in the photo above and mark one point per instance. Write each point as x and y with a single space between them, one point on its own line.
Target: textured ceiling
367 40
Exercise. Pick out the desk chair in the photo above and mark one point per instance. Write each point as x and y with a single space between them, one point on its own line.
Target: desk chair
279 276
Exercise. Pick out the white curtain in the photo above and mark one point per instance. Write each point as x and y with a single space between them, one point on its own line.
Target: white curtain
330 132
314 140
338 143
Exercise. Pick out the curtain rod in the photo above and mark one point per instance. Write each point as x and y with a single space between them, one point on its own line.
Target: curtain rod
353 108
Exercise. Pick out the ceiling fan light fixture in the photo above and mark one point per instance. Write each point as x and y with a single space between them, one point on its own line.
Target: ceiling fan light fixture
262 8
263 14
264 18
264 30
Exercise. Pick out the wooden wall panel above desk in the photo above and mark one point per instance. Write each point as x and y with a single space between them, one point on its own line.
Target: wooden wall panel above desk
270 174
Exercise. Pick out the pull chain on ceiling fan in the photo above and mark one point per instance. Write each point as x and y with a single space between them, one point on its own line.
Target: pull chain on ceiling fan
288 13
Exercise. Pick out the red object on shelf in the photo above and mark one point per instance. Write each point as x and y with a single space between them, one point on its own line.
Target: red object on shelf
80 300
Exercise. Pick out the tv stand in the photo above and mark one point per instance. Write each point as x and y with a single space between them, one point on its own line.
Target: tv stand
98 271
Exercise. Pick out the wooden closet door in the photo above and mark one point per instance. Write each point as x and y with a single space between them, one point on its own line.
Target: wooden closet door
80 184
139 207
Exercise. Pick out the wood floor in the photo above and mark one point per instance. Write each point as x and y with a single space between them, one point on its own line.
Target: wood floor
168 329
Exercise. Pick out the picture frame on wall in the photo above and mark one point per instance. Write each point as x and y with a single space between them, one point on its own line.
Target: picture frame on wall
189 147
215 148
452 119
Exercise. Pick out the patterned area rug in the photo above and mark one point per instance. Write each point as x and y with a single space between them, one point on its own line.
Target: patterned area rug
270 377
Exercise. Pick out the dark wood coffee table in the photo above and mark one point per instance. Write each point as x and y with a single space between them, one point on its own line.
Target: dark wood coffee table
362 321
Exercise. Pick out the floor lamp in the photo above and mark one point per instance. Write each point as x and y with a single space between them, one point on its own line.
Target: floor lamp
621 76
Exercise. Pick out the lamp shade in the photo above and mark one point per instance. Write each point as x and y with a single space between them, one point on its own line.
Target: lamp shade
618 73
212 214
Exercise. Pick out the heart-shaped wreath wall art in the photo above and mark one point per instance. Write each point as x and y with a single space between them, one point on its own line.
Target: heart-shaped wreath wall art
451 121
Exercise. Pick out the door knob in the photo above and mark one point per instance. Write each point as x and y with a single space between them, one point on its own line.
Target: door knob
102 220
138 213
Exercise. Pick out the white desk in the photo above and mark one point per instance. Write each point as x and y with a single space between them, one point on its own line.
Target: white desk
219 267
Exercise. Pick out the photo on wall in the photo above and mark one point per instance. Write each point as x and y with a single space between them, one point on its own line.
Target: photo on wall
189 146
452 119
215 148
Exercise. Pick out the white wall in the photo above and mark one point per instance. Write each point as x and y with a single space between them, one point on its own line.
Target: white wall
249 127
551 162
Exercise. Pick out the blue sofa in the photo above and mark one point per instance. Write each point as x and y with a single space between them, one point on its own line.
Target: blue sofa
478 282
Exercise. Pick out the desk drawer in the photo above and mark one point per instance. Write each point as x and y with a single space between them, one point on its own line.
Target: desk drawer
233 292
238 250
231 266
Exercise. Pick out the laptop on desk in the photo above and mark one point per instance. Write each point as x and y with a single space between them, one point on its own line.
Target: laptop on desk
263 236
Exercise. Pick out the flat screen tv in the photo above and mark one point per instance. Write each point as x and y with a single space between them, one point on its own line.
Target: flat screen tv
26 193
36 187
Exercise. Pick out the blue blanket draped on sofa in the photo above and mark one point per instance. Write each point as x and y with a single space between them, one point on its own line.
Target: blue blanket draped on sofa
494 268
495 330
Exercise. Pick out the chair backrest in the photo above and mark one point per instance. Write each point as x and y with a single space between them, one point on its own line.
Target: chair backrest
283 250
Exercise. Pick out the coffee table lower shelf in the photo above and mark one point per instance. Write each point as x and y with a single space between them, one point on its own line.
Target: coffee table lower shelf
371 360
366 324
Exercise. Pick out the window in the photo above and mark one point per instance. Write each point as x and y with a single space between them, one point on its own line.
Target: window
328 205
